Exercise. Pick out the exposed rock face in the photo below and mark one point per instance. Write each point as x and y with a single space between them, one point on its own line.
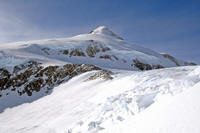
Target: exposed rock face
65 52
94 47
91 50
19 77
143 66
102 74
176 62
190 64
171 58
99 50
110 57
46 50
4 78
32 77
76 52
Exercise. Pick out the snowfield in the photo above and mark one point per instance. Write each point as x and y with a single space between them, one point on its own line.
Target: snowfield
96 83
161 101
179 114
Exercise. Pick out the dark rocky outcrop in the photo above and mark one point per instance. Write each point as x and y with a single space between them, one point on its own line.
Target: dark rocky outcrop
110 57
171 58
32 77
4 78
176 61
45 50
92 50
94 47
65 52
143 66
189 64
76 52
102 74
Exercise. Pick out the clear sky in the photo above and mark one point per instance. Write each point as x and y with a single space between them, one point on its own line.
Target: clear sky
170 26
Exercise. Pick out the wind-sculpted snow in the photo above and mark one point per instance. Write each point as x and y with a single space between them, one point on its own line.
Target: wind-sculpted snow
98 105
130 102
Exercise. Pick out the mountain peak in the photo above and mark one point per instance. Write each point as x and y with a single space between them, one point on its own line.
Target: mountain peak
101 30
105 31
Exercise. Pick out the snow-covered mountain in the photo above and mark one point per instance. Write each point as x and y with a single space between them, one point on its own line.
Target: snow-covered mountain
100 47
95 82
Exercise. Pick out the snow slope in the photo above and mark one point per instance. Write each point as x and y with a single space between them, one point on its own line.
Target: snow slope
100 47
132 101
179 114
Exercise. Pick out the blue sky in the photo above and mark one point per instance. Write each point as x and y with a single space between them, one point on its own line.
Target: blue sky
170 26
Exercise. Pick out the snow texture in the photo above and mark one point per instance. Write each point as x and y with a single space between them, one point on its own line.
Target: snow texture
149 101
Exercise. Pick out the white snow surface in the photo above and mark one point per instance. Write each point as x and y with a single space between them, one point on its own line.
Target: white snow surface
179 114
156 101
125 52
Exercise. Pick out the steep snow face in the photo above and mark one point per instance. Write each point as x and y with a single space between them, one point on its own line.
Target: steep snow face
99 105
101 47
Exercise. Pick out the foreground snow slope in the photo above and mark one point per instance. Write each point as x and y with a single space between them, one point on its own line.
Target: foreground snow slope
100 47
179 114
131 101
